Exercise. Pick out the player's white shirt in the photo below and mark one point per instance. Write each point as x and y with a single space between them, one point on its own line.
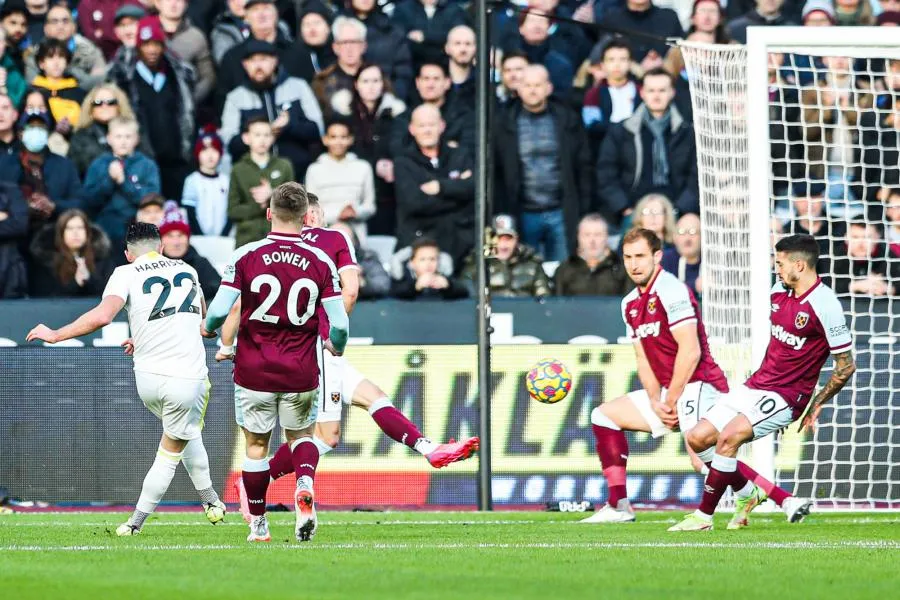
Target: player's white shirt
163 299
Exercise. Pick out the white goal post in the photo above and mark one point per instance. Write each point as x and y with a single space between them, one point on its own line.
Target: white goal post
768 148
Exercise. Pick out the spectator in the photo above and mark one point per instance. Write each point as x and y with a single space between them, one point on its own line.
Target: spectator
460 49
188 43
767 13
53 59
349 46
433 87
785 134
252 180
655 212
880 138
544 167
594 269
422 281
615 96
118 179
13 231
853 12
9 141
810 218
514 269
87 64
427 24
205 195
102 104
892 230
818 13
229 29
37 14
99 19
385 45
565 38
36 101
511 69
312 51
374 281
288 103
434 188
862 266
12 83
175 234
14 21
643 16
126 30
343 182
372 109
656 131
534 41
48 181
161 90
151 209
261 18
70 258
683 260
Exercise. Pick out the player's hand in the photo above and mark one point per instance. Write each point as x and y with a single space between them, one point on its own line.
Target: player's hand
210 335
809 420
129 347
43 333
665 413
223 356
330 347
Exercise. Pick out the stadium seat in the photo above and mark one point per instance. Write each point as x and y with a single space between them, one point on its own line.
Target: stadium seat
383 246
216 249
550 267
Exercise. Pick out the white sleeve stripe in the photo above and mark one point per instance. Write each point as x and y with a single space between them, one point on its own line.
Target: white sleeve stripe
842 347
347 267
349 246
682 323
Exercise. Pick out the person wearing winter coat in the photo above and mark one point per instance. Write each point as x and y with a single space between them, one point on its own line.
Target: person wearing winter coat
422 278
426 25
287 101
312 52
13 231
97 21
117 180
372 109
70 258
102 104
189 43
175 234
64 96
593 269
386 44
12 82
343 182
87 64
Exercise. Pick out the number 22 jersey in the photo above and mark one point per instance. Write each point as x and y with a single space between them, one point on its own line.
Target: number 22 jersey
163 300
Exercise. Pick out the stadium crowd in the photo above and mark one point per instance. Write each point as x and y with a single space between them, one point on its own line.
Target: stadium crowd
188 114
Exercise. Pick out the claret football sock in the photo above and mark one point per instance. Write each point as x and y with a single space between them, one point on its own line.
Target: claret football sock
256 482
305 457
395 425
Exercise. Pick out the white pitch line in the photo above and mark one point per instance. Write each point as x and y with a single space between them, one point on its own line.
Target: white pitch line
849 545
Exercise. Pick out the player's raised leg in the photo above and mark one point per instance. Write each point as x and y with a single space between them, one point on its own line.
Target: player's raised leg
196 462
156 483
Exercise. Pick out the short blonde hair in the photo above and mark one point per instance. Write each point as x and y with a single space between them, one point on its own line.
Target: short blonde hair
87 119
130 122
668 232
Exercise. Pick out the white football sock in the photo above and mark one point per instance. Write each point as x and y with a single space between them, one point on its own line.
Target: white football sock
424 446
745 491
157 480
196 461
322 445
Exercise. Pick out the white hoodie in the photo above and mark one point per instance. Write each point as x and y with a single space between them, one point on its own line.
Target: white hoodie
342 183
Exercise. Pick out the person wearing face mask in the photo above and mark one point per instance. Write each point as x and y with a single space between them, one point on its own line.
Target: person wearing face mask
70 258
49 182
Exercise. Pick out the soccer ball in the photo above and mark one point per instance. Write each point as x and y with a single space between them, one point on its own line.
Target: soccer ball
549 381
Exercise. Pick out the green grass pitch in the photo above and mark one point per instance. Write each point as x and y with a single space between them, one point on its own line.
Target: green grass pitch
450 555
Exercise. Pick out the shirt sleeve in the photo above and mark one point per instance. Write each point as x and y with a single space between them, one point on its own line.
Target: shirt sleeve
231 276
118 284
346 255
676 299
831 315
629 332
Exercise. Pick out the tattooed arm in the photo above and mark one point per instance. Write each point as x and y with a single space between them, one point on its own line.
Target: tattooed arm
844 367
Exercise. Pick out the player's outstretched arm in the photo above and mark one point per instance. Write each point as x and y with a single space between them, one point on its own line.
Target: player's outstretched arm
339 322
218 310
686 360
99 316
844 368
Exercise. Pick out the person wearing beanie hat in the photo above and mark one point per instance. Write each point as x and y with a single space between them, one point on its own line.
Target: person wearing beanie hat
175 234
311 52
889 18
818 13
205 195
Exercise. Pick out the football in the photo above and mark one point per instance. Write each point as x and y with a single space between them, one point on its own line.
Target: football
549 381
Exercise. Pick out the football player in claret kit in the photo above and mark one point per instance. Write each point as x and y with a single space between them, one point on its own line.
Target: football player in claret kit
681 381
341 382
807 324
282 282
165 308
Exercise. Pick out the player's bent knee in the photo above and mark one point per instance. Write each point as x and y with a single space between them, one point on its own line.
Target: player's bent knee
731 439
700 438
601 419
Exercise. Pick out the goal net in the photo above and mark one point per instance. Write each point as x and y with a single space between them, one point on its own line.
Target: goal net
797 132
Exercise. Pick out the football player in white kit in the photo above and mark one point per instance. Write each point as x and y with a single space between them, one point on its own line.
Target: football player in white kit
165 308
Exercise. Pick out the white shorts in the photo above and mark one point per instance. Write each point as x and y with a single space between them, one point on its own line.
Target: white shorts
698 397
257 411
338 382
179 403
766 411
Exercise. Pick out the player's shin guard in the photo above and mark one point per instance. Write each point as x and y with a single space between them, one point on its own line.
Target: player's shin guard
256 481
281 462
397 427
774 492
196 462
722 473
157 481
305 457
612 448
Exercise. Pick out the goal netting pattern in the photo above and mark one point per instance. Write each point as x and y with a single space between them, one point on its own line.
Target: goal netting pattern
798 138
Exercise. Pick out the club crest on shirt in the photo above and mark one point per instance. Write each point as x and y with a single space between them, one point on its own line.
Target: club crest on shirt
651 305
335 397
801 320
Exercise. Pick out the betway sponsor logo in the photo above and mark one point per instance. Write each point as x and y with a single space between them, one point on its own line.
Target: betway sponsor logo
647 330
782 335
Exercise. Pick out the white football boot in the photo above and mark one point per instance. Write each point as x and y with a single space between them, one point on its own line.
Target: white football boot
796 509
259 530
305 510
622 513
